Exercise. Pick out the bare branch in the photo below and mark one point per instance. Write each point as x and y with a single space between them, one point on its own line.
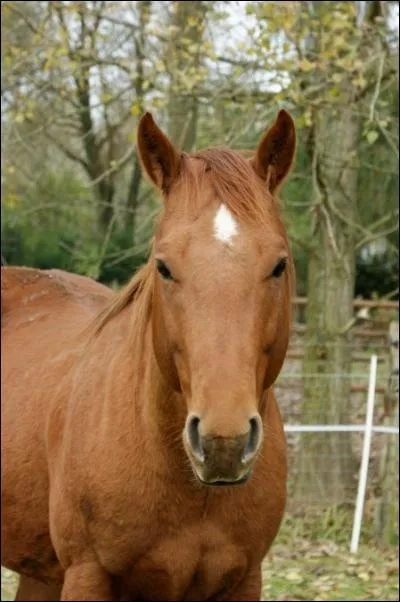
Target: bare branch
15 9
116 167
389 140
377 89
375 235
67 151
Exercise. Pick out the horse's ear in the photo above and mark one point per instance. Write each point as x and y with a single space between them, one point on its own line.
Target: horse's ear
158 155
275 153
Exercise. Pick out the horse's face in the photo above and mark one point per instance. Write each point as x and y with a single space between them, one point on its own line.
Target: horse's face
221 311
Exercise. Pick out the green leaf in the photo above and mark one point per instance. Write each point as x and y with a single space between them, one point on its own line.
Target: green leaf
306 65
372 136
135 110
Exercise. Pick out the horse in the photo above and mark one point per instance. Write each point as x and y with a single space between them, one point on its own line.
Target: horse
143 450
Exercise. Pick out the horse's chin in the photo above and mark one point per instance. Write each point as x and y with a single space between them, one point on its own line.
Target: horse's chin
222 482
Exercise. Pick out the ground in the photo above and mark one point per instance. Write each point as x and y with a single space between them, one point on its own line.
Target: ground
326 571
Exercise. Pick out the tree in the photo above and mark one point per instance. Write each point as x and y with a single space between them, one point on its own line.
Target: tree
186 72
335 69
78 88
175 59
336 129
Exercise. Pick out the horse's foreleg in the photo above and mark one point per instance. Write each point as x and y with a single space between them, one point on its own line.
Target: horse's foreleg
88 581
248 589
31 589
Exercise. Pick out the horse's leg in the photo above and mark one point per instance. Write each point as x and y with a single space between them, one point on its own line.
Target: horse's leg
87 581
248 589
31 589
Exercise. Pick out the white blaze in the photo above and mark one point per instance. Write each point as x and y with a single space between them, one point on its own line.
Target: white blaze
225 227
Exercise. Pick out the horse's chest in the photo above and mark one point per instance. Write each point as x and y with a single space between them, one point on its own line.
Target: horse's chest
194 564
162 557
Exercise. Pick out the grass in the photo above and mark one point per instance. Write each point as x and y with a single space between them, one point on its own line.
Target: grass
326 571
9 582
310 560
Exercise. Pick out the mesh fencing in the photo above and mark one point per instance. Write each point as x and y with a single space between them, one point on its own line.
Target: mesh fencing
324 466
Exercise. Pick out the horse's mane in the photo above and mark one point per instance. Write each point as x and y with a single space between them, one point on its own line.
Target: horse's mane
139 290
236 184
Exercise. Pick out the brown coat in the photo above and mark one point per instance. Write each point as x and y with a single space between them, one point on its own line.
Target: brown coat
117 429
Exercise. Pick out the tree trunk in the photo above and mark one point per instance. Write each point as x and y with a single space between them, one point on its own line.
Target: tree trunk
184 59
144 8
325 466
106 191
133 195
104 184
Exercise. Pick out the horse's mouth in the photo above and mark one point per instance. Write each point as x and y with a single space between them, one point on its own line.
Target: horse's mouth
224 482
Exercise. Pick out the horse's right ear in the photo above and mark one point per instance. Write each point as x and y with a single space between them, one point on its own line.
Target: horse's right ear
275 153
158 155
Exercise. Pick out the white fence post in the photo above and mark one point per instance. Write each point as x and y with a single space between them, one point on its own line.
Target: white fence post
365 457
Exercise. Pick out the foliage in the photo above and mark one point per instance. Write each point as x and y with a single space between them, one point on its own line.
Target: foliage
76 77
43 221
61 231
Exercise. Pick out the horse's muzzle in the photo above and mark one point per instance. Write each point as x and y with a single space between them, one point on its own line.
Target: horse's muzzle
222 460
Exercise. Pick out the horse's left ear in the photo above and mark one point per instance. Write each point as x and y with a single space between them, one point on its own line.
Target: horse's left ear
275 153
158 155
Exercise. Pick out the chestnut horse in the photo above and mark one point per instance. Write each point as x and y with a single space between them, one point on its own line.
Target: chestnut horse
143 450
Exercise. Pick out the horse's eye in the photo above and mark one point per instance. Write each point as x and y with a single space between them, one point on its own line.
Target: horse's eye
164 270
279 268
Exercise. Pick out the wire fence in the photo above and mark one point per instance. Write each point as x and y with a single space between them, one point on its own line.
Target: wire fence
332 444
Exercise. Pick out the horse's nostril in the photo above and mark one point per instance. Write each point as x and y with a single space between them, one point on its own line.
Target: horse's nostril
253 441
194 438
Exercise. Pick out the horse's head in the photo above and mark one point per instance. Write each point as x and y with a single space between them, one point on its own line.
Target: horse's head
222 295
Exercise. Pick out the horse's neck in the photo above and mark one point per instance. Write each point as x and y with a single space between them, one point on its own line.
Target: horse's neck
164 407
159 410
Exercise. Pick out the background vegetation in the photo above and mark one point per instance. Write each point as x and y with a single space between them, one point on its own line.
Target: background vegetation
76 76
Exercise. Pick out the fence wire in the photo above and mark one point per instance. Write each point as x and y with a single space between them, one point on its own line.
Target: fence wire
325 436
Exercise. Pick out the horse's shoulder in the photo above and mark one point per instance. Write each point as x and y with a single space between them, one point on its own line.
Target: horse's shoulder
22 286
